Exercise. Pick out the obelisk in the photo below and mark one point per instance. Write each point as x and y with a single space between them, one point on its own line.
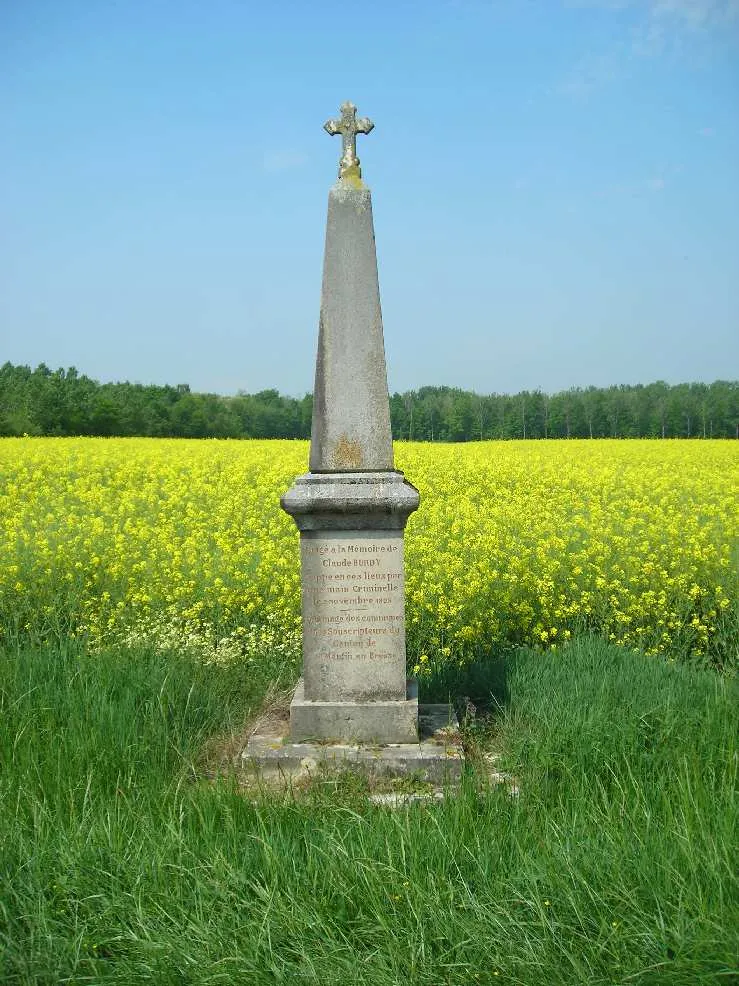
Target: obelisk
351 508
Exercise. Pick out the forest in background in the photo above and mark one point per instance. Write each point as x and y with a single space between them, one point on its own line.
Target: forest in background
66 403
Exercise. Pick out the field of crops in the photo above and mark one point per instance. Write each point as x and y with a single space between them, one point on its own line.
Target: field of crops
183 543
130 853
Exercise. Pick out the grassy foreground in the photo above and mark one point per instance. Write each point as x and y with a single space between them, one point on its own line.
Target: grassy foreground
613 865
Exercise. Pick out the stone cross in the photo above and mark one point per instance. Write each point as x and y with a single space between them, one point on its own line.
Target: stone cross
349 126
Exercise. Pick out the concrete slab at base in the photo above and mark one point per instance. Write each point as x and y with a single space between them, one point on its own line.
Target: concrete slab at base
436 756
352 722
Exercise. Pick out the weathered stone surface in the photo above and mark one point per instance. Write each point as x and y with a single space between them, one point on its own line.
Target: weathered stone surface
353 722
353 601
351 501
434 755
353 616
351 410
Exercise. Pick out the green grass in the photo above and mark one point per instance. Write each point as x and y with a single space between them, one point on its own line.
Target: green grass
613 865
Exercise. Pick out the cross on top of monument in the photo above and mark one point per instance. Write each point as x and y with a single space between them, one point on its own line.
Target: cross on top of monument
349 126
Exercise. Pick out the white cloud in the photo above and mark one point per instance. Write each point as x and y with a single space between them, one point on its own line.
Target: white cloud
693 13
696 14
674 26
649 29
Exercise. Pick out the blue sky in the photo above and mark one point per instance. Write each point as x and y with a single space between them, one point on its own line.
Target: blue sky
555 187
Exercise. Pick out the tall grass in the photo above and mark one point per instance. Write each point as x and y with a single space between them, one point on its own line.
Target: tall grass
613 865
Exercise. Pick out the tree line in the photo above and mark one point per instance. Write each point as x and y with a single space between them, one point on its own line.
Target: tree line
67 403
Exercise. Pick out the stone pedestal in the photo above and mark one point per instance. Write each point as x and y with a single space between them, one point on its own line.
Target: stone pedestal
435 757
353 603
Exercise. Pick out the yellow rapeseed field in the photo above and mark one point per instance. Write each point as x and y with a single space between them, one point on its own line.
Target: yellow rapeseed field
183 543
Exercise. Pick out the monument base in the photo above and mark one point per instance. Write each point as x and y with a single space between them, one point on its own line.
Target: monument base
435 756
352 722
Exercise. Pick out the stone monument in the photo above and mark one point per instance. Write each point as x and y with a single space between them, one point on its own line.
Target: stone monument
351 509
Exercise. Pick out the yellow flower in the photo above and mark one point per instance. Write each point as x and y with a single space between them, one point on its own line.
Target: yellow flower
514 542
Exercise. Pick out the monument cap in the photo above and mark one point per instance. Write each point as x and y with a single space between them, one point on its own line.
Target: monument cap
349 126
